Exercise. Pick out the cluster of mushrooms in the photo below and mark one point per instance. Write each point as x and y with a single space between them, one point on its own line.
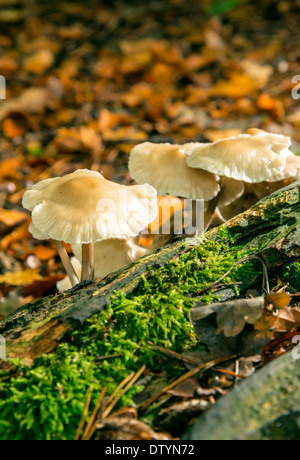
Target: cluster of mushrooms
102 219
230 175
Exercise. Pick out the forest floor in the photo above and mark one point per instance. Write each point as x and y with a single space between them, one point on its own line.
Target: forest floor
87 82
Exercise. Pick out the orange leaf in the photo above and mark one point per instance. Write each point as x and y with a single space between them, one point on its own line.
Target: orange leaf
275 107
19 234
44 253
8 168
12 129
238 86
11 217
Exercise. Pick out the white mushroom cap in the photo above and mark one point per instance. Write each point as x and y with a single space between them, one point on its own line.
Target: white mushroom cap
112 255
83 208
247 158
292 167
291 170
164 167
36 233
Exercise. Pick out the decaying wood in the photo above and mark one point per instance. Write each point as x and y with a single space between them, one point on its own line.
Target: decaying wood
273 225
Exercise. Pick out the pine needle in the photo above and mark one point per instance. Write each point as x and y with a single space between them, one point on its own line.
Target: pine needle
93 416
84 415
129 385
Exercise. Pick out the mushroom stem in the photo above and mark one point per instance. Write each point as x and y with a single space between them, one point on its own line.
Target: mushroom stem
67 263
211 210
87 262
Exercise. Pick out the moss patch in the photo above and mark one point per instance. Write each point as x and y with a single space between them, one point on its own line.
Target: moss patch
46 401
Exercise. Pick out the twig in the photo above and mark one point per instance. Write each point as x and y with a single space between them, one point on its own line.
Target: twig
102 358
111 402
174 355
218 286
85 412
266 284
228 372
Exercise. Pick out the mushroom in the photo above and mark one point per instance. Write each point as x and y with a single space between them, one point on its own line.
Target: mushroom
65 283
288 175
245 158
110 256
164 167
292 167
71 272
83 208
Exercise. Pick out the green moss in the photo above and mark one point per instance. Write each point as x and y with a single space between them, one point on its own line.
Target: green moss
291 275
46 401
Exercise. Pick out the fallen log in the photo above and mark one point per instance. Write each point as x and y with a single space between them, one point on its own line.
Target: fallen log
149 300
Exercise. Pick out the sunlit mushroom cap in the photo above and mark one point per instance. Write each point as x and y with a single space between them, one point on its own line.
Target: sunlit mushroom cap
164 167
292 167
83 208
247 158
35 232
112 255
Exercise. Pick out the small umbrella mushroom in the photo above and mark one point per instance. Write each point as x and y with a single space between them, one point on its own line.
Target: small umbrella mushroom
83 208
164 167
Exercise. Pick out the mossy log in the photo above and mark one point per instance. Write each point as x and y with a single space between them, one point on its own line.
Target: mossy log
271 229
167 281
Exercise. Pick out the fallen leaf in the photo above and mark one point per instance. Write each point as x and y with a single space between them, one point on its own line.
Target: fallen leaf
39 62
20 278
232 316
44 252
12 217
237 86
